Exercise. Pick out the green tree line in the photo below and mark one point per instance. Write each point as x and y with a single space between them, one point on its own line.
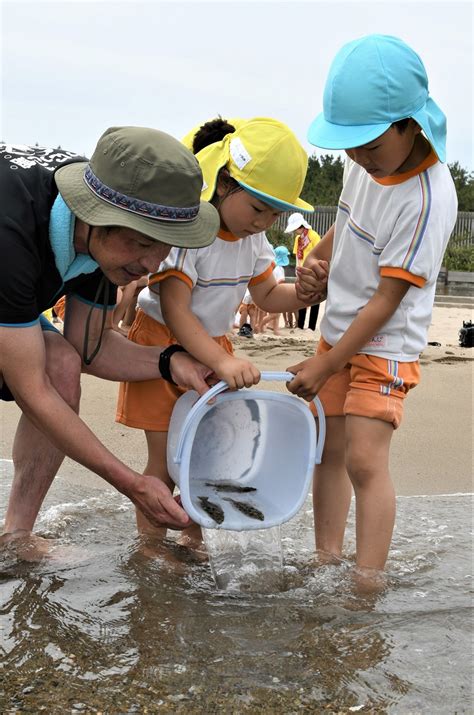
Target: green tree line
323 182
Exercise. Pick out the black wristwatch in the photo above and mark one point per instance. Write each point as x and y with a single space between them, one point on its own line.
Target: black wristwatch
164 362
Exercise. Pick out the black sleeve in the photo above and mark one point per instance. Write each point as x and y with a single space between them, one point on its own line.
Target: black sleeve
20 265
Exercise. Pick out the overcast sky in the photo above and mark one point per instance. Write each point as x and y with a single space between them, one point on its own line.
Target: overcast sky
71 69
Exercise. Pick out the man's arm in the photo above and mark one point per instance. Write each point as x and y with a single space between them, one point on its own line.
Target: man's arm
121 359
23 367
311 374
175 297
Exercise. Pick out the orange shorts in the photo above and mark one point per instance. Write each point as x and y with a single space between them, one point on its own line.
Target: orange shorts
60 307
368 386
148 405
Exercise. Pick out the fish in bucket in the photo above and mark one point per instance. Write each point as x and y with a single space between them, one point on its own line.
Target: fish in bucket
246 460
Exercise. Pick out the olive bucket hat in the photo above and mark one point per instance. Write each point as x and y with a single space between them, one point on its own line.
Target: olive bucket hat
145 180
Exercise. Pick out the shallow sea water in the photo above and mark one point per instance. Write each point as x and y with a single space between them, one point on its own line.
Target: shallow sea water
104 629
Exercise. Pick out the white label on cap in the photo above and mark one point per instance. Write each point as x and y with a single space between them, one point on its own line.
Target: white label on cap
204 186
239 153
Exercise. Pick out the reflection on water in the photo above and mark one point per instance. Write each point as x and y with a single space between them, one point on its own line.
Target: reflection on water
103 629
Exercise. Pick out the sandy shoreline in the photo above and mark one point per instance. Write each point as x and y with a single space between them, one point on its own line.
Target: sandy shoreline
432 451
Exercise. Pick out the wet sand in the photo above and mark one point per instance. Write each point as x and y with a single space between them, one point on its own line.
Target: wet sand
432 450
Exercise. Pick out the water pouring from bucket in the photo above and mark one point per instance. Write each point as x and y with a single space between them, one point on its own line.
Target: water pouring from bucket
246 460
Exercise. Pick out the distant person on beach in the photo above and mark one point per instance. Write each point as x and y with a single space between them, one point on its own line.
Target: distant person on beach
251 174
396 212
306 239
281 260
247 310
81 228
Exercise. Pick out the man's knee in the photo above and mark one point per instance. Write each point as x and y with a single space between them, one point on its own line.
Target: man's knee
63 365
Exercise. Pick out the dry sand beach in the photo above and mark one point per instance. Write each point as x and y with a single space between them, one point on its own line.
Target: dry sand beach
432 451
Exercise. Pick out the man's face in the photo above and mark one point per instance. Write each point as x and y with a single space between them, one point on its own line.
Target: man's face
125 255
391 153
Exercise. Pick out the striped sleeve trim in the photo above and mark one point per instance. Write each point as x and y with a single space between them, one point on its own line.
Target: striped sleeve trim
388 272
420 229
158 277
263 276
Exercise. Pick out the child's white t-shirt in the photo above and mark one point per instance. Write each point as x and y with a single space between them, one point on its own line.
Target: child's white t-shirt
217 276
397 227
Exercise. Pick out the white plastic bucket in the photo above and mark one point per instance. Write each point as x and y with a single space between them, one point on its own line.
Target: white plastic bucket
246 460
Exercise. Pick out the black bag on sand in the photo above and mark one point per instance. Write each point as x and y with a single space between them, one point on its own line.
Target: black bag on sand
466 334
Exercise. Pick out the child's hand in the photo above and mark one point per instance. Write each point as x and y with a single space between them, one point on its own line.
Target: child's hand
310 376
237 372
312 278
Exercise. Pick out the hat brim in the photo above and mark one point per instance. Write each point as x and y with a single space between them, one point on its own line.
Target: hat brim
293 226
327 135
276 203
197 233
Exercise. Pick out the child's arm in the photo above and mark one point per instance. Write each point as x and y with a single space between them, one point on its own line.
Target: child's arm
175 297
311 374
316 266
276 297
323 250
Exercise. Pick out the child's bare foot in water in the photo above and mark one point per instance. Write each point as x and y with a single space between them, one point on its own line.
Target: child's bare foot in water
368 581
326 558
193 541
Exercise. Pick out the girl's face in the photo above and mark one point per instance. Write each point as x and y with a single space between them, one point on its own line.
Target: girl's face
242 214
392 152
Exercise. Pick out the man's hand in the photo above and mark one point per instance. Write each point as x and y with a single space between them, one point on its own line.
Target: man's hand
156 502
191 374
310 376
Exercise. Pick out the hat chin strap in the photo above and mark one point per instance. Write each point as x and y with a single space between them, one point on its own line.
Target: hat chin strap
88 242
103 287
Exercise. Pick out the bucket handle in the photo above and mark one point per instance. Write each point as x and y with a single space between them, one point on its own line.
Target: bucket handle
200 407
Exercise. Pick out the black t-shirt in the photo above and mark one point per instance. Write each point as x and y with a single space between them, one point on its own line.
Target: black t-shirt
29 280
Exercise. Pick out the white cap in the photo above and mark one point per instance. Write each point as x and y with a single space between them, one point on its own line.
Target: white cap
295 221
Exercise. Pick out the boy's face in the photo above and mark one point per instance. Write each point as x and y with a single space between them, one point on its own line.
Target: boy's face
391 153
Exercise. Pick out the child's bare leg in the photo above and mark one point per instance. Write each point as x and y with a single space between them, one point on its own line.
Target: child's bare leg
244 317
157 466
367 460
332 493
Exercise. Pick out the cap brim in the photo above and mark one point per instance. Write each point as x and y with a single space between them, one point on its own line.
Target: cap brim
277 203
197 233
326 135
293 226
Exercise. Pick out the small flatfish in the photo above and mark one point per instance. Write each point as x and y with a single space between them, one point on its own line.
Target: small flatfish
251 511
213 510
230 487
